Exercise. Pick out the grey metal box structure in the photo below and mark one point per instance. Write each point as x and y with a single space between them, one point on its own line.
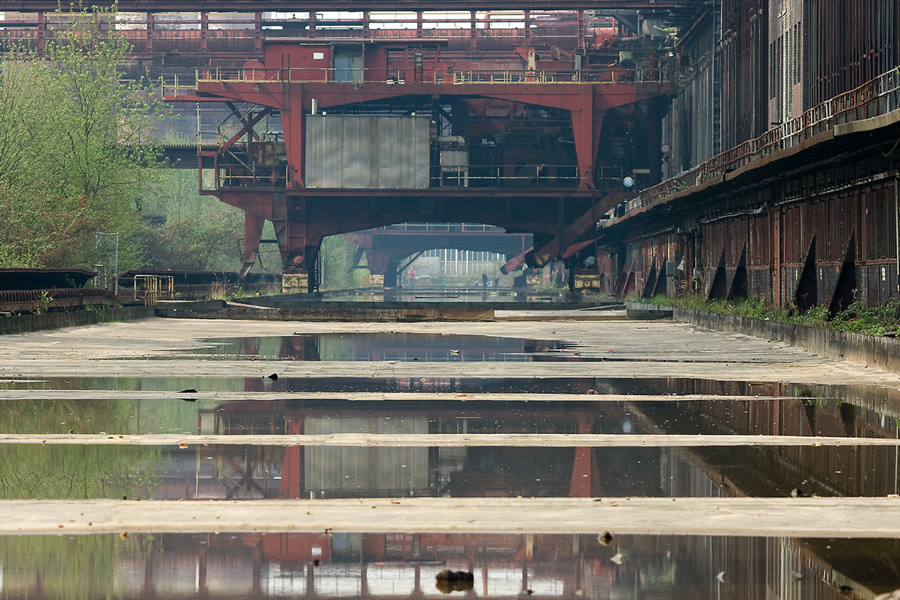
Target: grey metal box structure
366 152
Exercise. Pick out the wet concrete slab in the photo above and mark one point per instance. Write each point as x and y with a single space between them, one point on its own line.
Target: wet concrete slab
653 350
788 517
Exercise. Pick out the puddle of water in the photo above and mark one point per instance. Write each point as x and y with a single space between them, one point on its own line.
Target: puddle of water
388 565
407 347
256 472
380 347
391 565
458 295
876 397
329 472
762 416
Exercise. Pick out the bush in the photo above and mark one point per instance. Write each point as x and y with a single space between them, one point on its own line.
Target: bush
856 318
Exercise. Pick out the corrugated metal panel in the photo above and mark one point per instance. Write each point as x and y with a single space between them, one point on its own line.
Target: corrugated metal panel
688 129
349 470
785 60
847 44
364 152
745 48
853 228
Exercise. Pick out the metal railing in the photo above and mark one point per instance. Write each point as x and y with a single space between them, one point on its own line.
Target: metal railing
152 288
236 32
241 175
174 86
874 98
416 227
253 176
606 75
31 300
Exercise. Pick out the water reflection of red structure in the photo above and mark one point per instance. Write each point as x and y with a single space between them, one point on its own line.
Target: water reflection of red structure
404 565
505 565
849 470
578 472
358 472
379 347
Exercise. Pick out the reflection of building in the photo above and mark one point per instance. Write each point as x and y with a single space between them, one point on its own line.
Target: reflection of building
330 471
386 346
397 565
842 470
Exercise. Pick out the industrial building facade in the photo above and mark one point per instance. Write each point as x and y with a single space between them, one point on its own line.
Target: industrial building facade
781 153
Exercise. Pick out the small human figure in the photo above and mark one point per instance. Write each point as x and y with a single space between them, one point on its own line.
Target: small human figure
484 280
496 282
411 276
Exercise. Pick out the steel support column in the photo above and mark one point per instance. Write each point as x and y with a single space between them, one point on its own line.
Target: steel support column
253 226
292 122
586 125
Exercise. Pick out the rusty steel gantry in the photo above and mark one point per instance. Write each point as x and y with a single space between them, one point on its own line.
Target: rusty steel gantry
528 122
526 119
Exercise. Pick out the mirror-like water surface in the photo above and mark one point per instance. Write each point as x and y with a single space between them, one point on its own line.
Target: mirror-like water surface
384 347
358 565
259 472
406 565
792 416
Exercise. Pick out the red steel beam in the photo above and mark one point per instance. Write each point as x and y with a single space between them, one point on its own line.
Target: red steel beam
351 5
248 126
571 233
586 102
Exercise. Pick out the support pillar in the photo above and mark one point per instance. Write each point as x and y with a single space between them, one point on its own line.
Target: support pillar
777 295
202 586
585 472
391 273
253 226
257 572
149 590
299 245
149 33
292 122
257 33
42 32
310 581
204 31
586 125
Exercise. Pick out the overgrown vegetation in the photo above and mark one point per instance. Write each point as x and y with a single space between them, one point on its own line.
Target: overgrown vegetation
338 255
856 318
189 232
75 147
78 155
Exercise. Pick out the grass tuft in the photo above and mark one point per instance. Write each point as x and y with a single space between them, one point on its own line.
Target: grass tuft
856 318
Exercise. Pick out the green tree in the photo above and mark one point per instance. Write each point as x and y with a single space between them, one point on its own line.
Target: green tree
337 254
198 233
77 146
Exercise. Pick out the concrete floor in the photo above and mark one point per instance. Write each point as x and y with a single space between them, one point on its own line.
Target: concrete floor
636 349
641 349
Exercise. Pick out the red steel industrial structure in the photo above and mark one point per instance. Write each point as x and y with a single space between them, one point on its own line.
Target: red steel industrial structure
445 124
488 116
763 154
